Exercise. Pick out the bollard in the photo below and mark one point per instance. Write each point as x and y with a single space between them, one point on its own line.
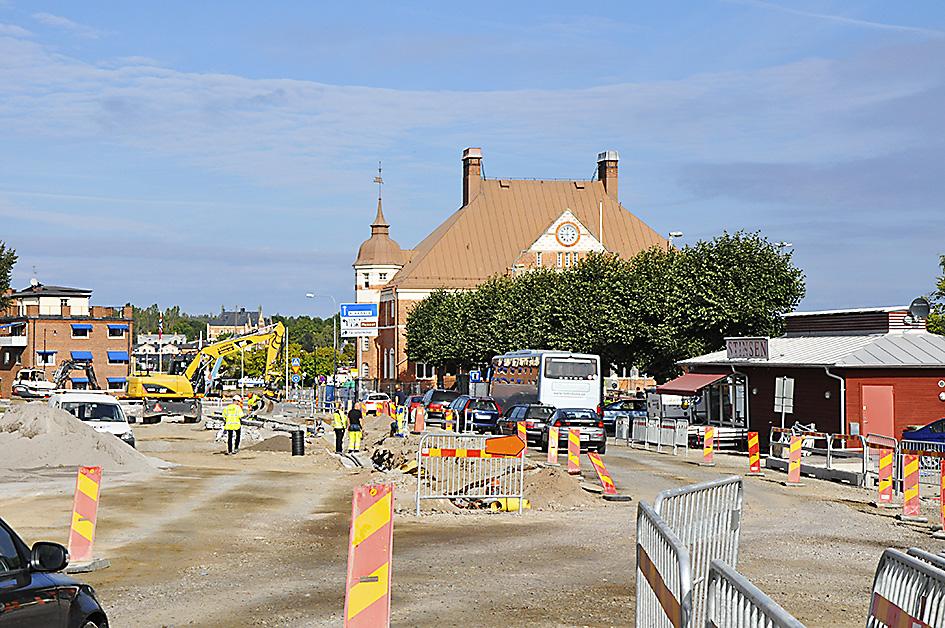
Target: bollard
448 421
574 451
794 462
523 434
553 445
940 534
884 498
754 456
910 490
418 420
708 445
84 513
370 549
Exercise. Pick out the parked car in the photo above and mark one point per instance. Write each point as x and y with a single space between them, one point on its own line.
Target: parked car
34 594
934 432
99 410
625 408
591 426
533 414
374 403
413 402
482 413
435 402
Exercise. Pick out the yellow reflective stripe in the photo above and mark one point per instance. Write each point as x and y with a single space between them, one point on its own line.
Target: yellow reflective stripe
83 527
912 466
88 486
372 519
363 594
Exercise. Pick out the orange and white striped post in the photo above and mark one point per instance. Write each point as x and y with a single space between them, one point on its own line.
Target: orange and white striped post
754 455
574 451
84 513
553 445
794 462
941 500
610 489
523 434
885 486
708 447
418 420
910 489
370 549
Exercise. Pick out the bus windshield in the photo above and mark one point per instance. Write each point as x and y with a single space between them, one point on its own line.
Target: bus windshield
570 368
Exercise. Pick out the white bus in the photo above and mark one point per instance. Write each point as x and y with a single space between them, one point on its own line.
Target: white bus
554 378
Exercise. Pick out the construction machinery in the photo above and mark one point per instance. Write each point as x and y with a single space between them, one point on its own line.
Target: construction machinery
65 369
32 384
180 393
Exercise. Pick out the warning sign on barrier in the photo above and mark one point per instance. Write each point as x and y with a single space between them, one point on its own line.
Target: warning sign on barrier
84 513
370 547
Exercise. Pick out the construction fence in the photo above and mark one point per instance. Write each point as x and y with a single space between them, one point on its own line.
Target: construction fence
839 457
663 434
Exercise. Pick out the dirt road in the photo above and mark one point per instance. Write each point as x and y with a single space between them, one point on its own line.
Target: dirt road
260 539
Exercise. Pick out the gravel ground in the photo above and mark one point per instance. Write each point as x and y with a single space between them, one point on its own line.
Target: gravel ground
260 539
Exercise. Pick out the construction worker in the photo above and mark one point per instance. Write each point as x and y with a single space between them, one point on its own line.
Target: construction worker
339 423
232 414
252 401
355 430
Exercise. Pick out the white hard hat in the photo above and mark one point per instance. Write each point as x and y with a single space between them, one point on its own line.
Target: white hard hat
237 398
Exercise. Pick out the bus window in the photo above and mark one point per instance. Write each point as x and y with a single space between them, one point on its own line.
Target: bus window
559 368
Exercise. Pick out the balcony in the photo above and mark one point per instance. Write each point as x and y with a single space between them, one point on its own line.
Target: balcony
12 341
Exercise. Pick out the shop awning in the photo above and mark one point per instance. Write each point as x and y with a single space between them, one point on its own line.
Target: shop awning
79 380
118 326
117 356
16 324
116 380
82 356
46 352
82 326
689 384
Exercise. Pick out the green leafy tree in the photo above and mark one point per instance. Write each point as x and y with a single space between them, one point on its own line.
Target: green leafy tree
936 322
7 261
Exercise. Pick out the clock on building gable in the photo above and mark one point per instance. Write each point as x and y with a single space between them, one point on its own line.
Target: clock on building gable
567 234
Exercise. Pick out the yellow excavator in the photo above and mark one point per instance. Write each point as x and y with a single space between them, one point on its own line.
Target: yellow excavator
180 394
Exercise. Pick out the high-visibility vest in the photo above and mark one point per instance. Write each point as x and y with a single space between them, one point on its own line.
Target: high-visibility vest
338 420
231 416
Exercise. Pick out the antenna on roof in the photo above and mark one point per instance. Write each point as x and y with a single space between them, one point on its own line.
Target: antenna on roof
919 310
34 281
379 181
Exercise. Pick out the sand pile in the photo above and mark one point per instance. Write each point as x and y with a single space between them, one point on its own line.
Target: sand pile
34 435
279 442
551 488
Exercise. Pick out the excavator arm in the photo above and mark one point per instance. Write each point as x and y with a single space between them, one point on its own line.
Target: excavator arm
272 336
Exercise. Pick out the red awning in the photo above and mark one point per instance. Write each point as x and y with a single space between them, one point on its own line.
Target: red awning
689 384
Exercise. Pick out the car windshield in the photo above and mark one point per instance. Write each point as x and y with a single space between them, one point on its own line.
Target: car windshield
539 412
92 411
576 414
483 404
444 395
570 368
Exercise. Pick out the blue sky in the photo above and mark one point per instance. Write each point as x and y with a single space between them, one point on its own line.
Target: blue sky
208 154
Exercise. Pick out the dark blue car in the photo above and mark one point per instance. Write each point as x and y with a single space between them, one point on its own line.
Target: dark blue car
628 408
482 413
934 432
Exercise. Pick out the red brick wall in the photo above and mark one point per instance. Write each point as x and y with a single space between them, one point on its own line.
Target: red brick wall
915 394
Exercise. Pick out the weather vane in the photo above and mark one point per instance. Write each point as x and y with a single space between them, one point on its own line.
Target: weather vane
378 180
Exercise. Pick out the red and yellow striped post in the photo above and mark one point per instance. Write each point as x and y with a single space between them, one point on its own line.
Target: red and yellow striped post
708 447
552 445
885 486
941 496
574 450
910 488
523 434
605 480
448 420
84 513
794 462
370 548
754 455
418 420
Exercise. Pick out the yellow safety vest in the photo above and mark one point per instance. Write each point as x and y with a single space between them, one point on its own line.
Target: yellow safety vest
338 420
232 415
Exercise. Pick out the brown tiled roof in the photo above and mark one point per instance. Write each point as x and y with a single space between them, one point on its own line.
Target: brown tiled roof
485 237
379 248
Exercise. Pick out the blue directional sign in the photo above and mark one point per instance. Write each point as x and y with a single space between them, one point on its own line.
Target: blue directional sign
475 377
358 320
296 362
296 378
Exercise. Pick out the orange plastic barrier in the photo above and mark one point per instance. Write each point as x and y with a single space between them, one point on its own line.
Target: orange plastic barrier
448 421
910 490
84 513
794 461
605 480
552 445
885 476
941 494
370 549
708 447
522 433
754 455
418 420
574 450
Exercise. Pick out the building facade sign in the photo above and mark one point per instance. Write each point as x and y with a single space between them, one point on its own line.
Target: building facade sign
746 348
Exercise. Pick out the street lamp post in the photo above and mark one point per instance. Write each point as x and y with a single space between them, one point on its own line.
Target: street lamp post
673 235
334 339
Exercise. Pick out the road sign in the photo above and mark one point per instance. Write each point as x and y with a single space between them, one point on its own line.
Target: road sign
296 362
296 378
475 377
358 320
504 445
784 395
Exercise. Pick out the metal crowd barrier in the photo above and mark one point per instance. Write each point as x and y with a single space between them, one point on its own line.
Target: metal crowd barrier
875 444
662 433
451 466
929 469
817 445
664 580
906 590
707 518
212 405
732 601
936 560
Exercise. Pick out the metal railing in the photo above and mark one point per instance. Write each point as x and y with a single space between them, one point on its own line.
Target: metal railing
906 588
668 433
929 466
732 601
664 580
936 560
707 518
875 444
451 466
832 449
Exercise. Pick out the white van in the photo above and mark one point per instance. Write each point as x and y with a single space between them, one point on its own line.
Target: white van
101 411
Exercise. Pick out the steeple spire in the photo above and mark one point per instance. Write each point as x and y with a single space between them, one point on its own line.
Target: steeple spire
380 224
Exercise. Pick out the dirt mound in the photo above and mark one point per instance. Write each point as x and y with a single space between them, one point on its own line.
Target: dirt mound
34 435
551 488
279 442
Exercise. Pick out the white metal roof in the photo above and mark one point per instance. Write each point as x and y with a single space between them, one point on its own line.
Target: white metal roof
912 349
855 310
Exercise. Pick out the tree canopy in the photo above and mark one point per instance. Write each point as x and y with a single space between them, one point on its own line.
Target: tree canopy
936 322
7 261
649 311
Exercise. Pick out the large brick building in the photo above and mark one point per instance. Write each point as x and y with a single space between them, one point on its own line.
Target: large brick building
46 325
503 226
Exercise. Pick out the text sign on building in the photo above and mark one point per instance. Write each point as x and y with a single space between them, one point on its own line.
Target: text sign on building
358 319
746 348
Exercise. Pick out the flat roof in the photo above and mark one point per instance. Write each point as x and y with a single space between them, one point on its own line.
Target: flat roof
855 310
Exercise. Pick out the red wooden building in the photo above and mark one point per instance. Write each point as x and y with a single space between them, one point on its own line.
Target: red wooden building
854 371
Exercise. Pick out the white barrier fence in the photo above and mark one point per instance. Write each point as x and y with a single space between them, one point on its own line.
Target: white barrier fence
906 590
662 433
451 466
732 601
840 457
664 577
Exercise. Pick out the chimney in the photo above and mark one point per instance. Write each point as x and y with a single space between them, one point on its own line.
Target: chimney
472 174
607 171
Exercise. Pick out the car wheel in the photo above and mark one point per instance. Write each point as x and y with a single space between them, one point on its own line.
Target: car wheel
602 449
544 444
91 624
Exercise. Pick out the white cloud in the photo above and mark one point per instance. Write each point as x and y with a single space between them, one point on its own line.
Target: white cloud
64 23
12 30
841 19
